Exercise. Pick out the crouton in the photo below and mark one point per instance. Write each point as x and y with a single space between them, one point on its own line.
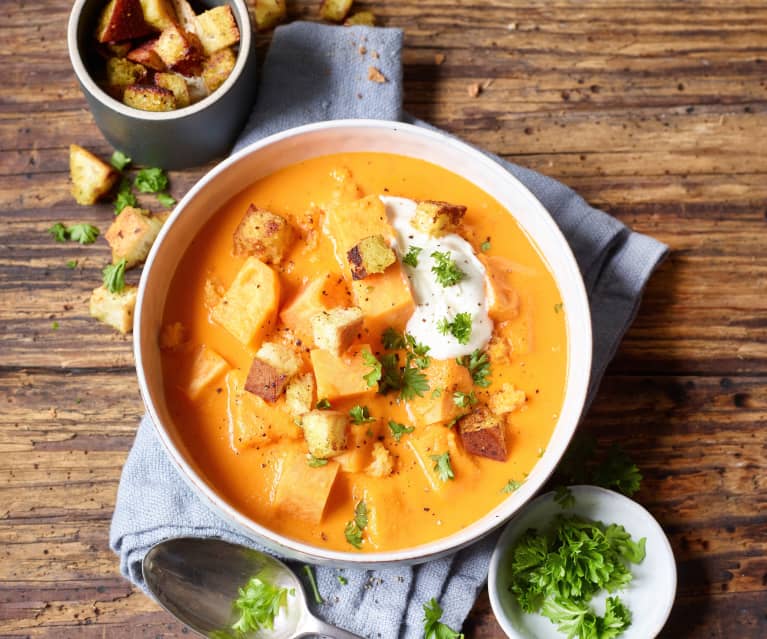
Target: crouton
158 13
383 462
265 381
336 329
303 491
346 188
146 56
325 432
149 98
115 309
483 434
175 83
212 292
179 50
498 349
264 235
437 218
131 235
121 72
92 178
369 256
173 336
335 10
314 297
207 366
284 358
217 29
217 67
269 12
507 399
185 14
361 18
121 20
299 394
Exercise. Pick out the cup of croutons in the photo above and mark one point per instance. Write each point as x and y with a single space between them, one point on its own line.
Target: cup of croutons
169 82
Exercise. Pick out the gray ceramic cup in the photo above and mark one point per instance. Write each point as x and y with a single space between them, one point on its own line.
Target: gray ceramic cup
176 139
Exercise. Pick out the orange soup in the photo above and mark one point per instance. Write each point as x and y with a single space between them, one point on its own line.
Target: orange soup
364 352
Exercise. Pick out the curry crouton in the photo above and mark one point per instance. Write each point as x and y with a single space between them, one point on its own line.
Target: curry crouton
216 68
437 218
361 18
92 178
299 394
115 309
484 434
175 83
158 13
121 20
335 10
264 235
269 12
173 336
325 432
382 464
369 256
509 398
132 234
336 329
281 356
149 98
212 292
146 56
179 50
121 72
217 29
265 380
187 18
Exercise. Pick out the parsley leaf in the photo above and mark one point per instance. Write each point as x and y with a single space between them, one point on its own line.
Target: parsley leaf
125 197
313 583
618 472
446 270
59 232
83 233
433 628
442 466
511 486
342 580
485 246
354 528
151 180
417 353
258 604
166 199
315 462
413 382
460 327
398 430
323 404
564 497
114 276
464 400
374 375
72 264
119 160
392 340
478 364
411 257
360 415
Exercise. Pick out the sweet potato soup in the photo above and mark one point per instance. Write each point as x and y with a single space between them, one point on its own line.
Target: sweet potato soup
364 352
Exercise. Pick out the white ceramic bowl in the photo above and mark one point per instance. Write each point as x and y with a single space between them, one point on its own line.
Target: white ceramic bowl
649 596
283 149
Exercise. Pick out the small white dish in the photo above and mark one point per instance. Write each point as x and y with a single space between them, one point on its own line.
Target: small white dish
650 594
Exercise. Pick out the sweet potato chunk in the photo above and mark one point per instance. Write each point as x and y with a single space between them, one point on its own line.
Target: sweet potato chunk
382 498
437 406
369 256
217 29
248 309
269 12
316 296
207 366
121 20
437 440
502 297
303 491
385 299
335 10
91 177
175 83
149 98
158 13
484 434
437 218
263 234
325 432
336 329
132 234
359 448
341 376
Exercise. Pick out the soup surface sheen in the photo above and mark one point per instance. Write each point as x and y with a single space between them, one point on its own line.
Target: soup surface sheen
415 504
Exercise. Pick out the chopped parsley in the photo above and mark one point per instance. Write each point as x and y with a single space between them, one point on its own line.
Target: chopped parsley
478 364
485 246
354 528
59 232
360 415
411 257
613 469
257 605
460 327
55 326
83 233
407 379
313 584
436 393
413 382
72 264
433 628
114 276
342 580
442 466
564 497
464 400
558 307
618 472
446 270
374 376
315 462
166 199
119 160
323 404
151 180
511 486
398 430
392 340
125 197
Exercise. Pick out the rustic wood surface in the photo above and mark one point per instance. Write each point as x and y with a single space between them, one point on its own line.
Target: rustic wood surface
655 111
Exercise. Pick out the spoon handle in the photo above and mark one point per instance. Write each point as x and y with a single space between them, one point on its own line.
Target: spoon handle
316 627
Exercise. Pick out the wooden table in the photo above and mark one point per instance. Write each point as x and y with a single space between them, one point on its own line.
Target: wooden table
654 111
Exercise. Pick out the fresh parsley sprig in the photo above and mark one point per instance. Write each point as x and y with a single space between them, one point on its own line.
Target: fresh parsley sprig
354 528
82 232
478 364
411 257
442 466
433 628
398 430
445 269
464 400
258 604
459 327
151 180
114 276
360 415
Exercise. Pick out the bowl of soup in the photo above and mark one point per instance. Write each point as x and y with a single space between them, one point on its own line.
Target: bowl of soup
363 342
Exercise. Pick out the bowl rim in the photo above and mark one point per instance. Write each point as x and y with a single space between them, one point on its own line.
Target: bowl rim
92 88
416 554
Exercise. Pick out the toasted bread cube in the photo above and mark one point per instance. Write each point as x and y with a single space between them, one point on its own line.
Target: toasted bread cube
369 256
284 358
121 20
325 432
507 399
498 349
212 292
303 491
175 83
92 178
335 10
336 329
115 49
122 72
148 98
385 299
248 309
178 50
437 218
343 376
269 12
484 433
207 366
173 336
299 394
502 296
185 14
437 406
216 69
346 187
262 234
147 56
383 462
265 381
115 309
361 18
217 29
316 296
132 234
158 13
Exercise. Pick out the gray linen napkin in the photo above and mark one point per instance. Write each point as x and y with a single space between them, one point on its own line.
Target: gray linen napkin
316 72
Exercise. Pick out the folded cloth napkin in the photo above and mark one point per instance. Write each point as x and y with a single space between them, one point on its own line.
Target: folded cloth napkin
315 72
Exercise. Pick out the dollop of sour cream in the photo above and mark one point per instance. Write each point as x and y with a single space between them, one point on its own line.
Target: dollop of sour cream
435 302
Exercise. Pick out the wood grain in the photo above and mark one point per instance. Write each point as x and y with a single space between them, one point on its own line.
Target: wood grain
654 111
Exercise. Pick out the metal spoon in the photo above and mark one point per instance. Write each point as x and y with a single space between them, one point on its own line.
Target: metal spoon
196 580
